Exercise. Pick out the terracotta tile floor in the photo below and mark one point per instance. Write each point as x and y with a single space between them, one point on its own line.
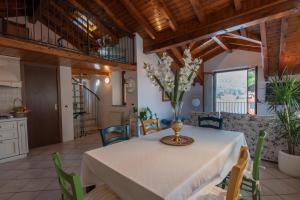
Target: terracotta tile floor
34 178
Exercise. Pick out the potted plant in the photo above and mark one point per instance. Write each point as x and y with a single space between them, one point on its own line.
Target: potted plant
284 100
174 84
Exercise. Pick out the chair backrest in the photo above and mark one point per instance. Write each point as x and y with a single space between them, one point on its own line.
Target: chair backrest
65 180
257 154
114 133
236 175
150 125
204 122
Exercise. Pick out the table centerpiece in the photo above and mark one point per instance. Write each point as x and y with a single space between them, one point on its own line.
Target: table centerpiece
174 84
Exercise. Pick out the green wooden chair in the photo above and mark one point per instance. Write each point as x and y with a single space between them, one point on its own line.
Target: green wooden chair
71 187
250 181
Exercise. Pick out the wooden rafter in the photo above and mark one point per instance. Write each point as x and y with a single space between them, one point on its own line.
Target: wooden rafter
237 5
239 41
165 10
245 47
178 55
198 10
220 43
283 36
212 53
243 32
264 48
229 22
200 73
139 18
109 12
243 38
202 47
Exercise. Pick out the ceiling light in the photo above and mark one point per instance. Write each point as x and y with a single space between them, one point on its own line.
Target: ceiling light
107 80
97 66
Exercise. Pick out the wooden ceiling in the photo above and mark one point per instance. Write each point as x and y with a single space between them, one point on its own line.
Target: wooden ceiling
208 27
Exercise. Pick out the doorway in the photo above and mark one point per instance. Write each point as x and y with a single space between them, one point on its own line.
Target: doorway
41 97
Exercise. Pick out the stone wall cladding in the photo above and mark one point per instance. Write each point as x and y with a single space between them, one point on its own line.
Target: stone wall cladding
250 125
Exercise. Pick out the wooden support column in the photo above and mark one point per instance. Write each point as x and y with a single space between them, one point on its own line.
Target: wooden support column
264 47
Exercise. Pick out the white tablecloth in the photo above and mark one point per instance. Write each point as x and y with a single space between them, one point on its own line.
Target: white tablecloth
143 168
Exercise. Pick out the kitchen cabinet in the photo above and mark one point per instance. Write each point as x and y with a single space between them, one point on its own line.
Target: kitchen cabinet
9 148
13 139
23 139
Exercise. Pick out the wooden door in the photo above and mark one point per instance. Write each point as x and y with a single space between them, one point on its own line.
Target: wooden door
41 97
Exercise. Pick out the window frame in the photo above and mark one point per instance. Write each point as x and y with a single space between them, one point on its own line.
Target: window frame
233 70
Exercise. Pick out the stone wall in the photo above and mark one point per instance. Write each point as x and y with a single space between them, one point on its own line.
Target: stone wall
250 125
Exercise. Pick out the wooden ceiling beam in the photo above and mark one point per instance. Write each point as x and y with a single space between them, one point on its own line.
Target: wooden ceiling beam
200 73
243 38
220 43
109 12
89 71
283 36
264 49
245 48
203 46
178 54
198 10
243 32
237 5
239 41
166 12
217 26
212 53
139 18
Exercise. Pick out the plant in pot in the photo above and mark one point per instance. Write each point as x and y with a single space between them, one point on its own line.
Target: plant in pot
284 100
174 85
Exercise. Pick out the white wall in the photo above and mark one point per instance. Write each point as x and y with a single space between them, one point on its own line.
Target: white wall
235 60
148 94
195 92
66 98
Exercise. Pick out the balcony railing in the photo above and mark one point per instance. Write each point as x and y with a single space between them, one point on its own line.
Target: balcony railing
232 107
61 24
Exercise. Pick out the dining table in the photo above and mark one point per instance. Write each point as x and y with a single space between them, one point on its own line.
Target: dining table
143 168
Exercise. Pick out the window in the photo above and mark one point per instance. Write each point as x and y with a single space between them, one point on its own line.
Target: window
235 91
83 22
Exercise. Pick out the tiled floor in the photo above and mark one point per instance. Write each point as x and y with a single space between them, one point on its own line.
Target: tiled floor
34 178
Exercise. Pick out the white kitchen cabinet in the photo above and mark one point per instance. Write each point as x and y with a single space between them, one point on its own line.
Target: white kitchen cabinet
13 139
9 148
23 138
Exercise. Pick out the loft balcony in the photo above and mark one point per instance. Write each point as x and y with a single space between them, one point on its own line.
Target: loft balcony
69 31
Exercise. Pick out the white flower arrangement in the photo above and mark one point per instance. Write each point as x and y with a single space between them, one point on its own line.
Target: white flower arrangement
174 84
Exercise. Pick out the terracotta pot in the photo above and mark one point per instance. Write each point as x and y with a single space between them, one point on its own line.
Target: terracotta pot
289 164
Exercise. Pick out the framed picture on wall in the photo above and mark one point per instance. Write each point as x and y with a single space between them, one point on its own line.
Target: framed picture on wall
164 96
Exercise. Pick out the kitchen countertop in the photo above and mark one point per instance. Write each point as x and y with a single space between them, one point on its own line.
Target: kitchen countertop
13 119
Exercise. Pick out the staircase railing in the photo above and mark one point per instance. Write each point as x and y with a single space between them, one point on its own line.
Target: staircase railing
85 107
